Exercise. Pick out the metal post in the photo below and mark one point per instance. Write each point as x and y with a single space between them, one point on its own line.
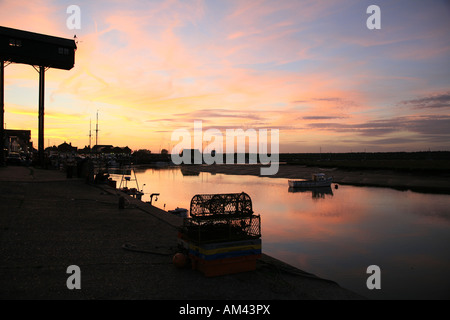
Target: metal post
41 115
2 113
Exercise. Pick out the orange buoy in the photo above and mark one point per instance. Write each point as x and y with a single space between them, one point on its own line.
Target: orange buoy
179 260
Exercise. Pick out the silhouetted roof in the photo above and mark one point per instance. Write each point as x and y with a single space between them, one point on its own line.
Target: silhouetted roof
21 34
36 49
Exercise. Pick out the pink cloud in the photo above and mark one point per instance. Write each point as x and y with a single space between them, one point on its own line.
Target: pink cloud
36 16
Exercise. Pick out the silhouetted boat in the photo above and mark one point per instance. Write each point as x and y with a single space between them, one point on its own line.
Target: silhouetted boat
318 180
181 212
127 175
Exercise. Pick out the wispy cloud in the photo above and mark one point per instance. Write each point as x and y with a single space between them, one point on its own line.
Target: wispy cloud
322 117
219 114
437 101
429 124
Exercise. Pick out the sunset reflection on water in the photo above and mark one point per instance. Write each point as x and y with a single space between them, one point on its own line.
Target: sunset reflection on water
336 233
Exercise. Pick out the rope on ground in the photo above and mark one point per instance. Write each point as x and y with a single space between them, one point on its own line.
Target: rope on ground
134 248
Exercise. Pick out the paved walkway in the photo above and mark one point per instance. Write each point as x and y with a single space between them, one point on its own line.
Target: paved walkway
49 222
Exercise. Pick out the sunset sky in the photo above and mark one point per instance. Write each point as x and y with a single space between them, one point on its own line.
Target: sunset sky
310 68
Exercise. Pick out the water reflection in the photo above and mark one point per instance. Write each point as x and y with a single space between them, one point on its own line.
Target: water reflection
185 171
316 193
336 234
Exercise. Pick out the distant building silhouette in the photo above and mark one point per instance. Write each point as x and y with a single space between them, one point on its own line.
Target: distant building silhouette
109 149
119 150
102 148
66 148
86 150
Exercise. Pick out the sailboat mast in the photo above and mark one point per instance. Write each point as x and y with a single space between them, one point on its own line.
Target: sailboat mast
96 131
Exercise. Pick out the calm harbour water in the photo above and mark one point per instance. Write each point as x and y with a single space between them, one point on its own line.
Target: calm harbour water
336 234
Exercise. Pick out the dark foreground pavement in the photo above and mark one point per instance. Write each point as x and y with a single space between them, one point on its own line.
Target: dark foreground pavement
49 222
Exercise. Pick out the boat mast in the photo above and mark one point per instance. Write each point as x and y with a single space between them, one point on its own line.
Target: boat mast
96 131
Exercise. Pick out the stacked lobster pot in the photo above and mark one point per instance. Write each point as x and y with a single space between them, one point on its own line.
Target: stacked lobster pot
222 235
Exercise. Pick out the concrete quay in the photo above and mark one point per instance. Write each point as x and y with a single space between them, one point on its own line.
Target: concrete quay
49 222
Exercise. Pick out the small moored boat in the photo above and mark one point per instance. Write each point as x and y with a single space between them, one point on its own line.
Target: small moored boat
134 192
181 212
318 180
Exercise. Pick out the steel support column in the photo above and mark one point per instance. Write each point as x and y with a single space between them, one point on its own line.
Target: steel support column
2 112
41 115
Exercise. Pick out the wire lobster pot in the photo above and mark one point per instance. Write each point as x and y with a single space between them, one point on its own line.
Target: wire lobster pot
221 217
213 205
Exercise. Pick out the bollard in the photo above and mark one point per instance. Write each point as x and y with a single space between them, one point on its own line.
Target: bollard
121 202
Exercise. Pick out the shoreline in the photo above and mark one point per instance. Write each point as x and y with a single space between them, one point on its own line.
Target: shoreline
418 182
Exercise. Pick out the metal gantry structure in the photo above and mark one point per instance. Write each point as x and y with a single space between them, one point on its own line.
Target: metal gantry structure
40 51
